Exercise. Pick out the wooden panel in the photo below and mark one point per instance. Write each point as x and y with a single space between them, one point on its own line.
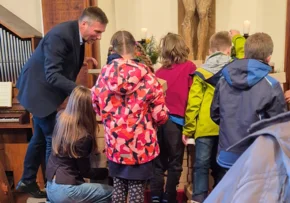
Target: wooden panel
5 193
14 155
57 11
15 142
35 41
2 154
287 46
14 136
17 25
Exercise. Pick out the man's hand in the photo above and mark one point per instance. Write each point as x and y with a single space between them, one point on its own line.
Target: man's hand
287 96
234 33
90 59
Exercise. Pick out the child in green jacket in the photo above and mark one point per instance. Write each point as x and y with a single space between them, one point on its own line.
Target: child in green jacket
198 122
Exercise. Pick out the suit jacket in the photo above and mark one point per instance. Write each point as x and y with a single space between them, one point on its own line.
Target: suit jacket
49 75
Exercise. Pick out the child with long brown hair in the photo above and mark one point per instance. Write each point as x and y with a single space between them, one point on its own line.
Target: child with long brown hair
131 103
72 142
176 71
142 56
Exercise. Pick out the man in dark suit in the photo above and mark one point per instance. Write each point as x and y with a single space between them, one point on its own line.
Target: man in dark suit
48 78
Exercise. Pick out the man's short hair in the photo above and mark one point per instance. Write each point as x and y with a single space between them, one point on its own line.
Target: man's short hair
220 41
259 46
94 13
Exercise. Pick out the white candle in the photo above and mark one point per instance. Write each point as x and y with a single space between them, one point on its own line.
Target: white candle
247 27
143 33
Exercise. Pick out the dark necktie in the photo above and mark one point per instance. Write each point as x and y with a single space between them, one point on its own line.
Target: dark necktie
82 53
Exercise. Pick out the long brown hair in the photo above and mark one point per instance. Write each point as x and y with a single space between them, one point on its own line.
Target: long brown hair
75 122
173 50
143 56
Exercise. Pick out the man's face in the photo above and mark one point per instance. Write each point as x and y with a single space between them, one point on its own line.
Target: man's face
91 31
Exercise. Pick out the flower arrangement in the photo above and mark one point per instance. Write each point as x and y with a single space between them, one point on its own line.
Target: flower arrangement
151 49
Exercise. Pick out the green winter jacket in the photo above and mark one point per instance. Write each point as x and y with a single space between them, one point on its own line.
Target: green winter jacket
198 122
238 48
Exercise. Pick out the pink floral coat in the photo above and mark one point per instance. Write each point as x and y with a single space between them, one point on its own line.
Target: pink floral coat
131 103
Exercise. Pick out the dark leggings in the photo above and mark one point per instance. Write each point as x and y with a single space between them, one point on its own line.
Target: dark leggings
170 159
123 187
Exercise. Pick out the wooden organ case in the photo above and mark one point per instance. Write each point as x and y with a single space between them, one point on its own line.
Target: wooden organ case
17 42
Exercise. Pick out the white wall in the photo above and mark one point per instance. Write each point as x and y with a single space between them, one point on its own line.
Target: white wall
27 10
265 15
160 17
108 6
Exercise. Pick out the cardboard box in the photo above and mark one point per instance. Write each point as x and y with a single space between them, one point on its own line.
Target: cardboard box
100 132
99 160
163 83
100 142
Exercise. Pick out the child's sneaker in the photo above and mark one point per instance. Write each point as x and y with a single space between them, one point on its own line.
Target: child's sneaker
155 199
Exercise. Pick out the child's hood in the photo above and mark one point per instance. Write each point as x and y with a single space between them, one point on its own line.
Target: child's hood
124 76
245 73
215 62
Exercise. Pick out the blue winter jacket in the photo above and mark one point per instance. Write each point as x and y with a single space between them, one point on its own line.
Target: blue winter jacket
244 95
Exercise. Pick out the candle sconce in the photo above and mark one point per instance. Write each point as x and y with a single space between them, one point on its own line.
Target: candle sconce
142 41
143 36
246 35
246 28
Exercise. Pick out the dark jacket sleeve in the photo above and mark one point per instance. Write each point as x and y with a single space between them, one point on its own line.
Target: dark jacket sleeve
55 52
277 103
215 106
83 149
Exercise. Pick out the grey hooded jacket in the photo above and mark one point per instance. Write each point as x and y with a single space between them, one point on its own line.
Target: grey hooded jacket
262 173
